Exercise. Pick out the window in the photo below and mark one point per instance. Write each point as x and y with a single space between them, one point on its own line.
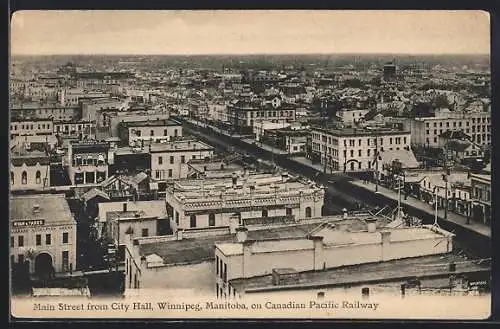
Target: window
183 158
404 140
38 177
144 232
390 141
359 152
217 266
211 220
175 132
264 213
38 239
160 160
152 133
352 153
192 221
138 133
171 159
193 157
289 211
177 217
368 152
359 142
65 237
20 241
24 178
308 212
48 239
12 241
20 259
12 178
165 132
225 272
170 173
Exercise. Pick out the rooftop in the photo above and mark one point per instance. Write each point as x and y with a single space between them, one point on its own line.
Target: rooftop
53 208
180 145
349 132
394 270
193 250
151 123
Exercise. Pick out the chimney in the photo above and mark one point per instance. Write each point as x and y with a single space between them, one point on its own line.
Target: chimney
124 207
247 259
319 255
371 224
235 180
180 234
241 234
386 243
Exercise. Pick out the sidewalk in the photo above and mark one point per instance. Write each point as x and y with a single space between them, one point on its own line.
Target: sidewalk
452 217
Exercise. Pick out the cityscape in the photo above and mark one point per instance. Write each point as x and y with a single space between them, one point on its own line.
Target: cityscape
250 175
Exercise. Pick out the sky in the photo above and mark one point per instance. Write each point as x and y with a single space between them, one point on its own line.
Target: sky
249 32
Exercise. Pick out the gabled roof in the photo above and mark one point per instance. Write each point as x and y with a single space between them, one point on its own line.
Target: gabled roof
94 193
407 158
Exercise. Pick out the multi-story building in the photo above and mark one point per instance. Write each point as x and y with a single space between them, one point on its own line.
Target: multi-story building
114 119
425 131
244 116
25 127
81 128
229 202
138 133
29 171
326 247
43 233
34 111
355 149
87 162
72 97
169 160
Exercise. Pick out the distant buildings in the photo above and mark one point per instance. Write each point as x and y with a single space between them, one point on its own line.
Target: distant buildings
481 197
426 130
43 234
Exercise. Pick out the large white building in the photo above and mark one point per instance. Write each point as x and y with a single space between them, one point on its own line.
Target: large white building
43 233
326 247
425 131
169 160
238 200
151 131
352 149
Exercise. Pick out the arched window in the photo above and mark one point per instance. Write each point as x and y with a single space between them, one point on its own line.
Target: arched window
192 221
38 177
24 178
211 220
308 212
264 213
12 178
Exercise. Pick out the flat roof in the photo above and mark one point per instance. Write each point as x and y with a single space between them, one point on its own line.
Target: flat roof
53 208
350 132
180 145
400 269
151 123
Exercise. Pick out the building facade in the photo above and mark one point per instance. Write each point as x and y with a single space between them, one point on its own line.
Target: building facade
29 171
352 149
231 202
146 132
87 162
43 234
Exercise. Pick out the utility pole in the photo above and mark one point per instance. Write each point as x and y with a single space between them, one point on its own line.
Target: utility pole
399 198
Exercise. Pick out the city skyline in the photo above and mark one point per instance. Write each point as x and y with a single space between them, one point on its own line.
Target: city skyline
249 32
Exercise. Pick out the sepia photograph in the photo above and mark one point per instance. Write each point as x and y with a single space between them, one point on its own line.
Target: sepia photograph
246 164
